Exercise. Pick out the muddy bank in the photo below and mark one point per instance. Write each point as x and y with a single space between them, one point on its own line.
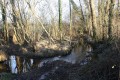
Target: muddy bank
60 70
44 48
29 52
57 70
102 66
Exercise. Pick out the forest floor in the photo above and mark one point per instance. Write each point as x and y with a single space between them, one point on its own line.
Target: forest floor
103 66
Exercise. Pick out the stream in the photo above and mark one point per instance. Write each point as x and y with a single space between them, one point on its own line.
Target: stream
77 55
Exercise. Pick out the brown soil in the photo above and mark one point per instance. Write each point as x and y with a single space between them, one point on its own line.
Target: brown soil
104 67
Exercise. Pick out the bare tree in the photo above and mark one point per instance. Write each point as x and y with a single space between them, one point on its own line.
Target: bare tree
82 16
118 3
93 17
19 60
14 13
60 14
110 21
4 19
70 6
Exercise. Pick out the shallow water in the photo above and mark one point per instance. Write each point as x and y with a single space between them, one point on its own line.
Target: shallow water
77 54
13 64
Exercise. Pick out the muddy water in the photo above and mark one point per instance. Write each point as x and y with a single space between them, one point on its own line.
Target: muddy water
78 54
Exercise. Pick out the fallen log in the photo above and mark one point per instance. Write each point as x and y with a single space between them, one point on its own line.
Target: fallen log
46 53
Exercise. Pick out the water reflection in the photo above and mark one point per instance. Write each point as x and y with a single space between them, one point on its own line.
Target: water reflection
79 54
13 64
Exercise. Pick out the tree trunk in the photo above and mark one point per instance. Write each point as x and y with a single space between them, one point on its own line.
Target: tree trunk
19 60
60 18
93 18
118 3
80 13
19 63
83 18
14 13
4 19
110 21
70 14
70 7
60 14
